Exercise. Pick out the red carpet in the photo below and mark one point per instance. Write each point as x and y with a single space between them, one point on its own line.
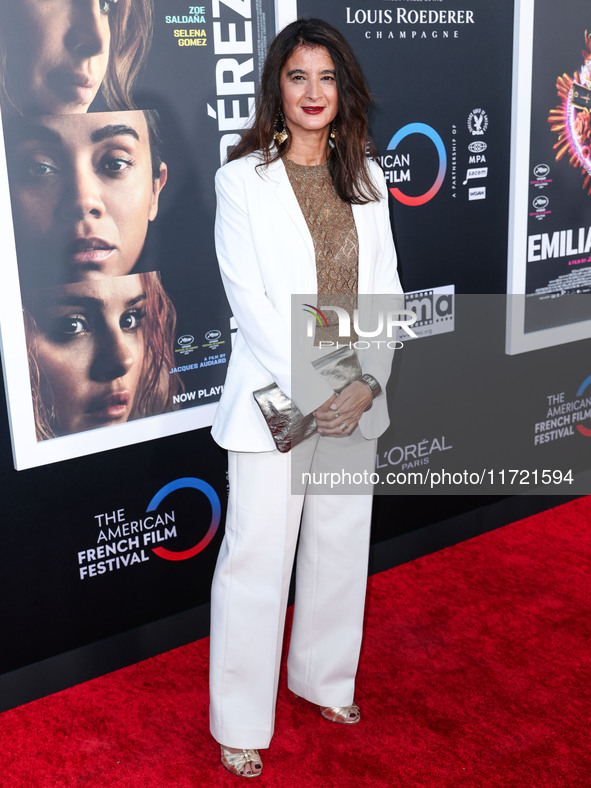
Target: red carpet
476 671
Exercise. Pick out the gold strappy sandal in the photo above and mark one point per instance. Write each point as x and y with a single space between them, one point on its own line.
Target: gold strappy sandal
348 715
236 761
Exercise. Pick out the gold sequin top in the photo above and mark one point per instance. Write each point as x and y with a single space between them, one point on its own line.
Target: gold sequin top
333 231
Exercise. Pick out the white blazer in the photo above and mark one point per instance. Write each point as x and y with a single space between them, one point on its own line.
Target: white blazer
266 254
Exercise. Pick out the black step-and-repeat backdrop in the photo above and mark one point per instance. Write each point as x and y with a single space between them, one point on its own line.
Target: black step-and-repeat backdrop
441 76
115 330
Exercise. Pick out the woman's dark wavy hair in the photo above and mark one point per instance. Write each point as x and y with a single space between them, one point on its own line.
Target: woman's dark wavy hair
348 159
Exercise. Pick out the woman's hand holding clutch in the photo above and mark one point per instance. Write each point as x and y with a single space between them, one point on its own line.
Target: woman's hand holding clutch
340 414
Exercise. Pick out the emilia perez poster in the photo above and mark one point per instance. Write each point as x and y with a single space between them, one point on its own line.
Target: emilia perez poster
550 230
115 116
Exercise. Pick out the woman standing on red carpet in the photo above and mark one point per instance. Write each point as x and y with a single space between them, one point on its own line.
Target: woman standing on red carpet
301 209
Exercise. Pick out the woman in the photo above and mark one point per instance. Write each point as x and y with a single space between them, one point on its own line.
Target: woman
100 353
84 189
55 55
300 210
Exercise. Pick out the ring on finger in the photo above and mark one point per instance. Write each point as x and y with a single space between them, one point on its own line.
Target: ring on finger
344 426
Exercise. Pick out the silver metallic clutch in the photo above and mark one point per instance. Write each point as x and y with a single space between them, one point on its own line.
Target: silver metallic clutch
287 424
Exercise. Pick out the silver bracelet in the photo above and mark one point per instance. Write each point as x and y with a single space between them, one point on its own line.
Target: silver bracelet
372 384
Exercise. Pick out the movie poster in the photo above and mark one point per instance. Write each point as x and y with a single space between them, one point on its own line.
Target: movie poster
114 324
550 249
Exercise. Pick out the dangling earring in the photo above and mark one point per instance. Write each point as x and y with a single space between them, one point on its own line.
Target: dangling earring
280 134
333 134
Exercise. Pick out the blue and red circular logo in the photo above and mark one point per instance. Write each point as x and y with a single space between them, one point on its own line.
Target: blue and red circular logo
582 388
203 487
433 136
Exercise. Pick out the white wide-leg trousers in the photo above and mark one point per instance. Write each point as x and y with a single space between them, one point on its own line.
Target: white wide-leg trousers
251 585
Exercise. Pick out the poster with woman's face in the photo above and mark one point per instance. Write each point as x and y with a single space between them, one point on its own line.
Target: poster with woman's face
115 116
84 190
57 54
99 352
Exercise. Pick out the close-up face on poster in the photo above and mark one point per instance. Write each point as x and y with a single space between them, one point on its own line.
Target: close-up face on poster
115 116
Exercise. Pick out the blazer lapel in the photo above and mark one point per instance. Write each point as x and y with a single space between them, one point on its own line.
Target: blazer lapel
365 247
288 201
